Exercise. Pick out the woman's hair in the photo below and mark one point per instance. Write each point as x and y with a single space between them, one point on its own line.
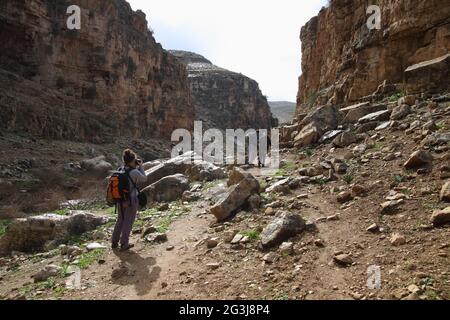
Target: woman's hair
129 156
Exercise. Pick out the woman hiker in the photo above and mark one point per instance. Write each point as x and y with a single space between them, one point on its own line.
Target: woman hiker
128 209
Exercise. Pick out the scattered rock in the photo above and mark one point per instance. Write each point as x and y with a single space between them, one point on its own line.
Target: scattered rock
343 259
340 168
400 112
414 289
384 126
271 257
229 236
286 248
419 159
374 228
95 246
148 229
276 204
358 190
334 217
212 243
213 265
389 157
47 272
286 226
189 196
98 235
345 139
445 192
157 238
269 211
237 238
72 251
441 217
390 207
319 243
281 186
397 240
344 197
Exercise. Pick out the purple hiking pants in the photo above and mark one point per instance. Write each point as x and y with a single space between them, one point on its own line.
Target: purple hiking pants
124 224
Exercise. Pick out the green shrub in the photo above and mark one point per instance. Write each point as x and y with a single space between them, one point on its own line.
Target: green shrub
396 96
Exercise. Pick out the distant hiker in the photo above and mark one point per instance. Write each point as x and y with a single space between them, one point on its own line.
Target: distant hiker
262 153
124 193
257 137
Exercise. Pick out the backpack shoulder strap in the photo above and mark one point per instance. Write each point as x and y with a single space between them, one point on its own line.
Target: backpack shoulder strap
131 179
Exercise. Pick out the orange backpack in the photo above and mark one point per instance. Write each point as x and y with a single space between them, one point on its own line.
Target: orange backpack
118 187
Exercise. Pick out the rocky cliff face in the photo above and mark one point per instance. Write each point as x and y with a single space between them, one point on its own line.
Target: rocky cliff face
224 99
108 78
343 61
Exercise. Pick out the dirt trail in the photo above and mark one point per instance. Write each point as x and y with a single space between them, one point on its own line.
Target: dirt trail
177 269
185 268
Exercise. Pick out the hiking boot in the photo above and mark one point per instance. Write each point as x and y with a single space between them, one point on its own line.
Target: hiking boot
115 246
126 248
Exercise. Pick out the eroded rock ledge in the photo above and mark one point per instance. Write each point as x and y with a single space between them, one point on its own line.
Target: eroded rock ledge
107 79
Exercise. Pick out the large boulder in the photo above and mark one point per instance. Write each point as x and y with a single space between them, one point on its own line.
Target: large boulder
167 189
355 112
45 232
307 136
286 133
383 115
315 124
281 229
188 164
345 139
235 197
98 166
325 118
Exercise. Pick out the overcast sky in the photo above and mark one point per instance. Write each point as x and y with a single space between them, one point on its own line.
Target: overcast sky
259 38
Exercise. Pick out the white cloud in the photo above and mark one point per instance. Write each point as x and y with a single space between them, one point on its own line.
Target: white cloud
259 38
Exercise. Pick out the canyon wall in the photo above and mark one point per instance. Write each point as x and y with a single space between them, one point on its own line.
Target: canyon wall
223 99
343 61
109 78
